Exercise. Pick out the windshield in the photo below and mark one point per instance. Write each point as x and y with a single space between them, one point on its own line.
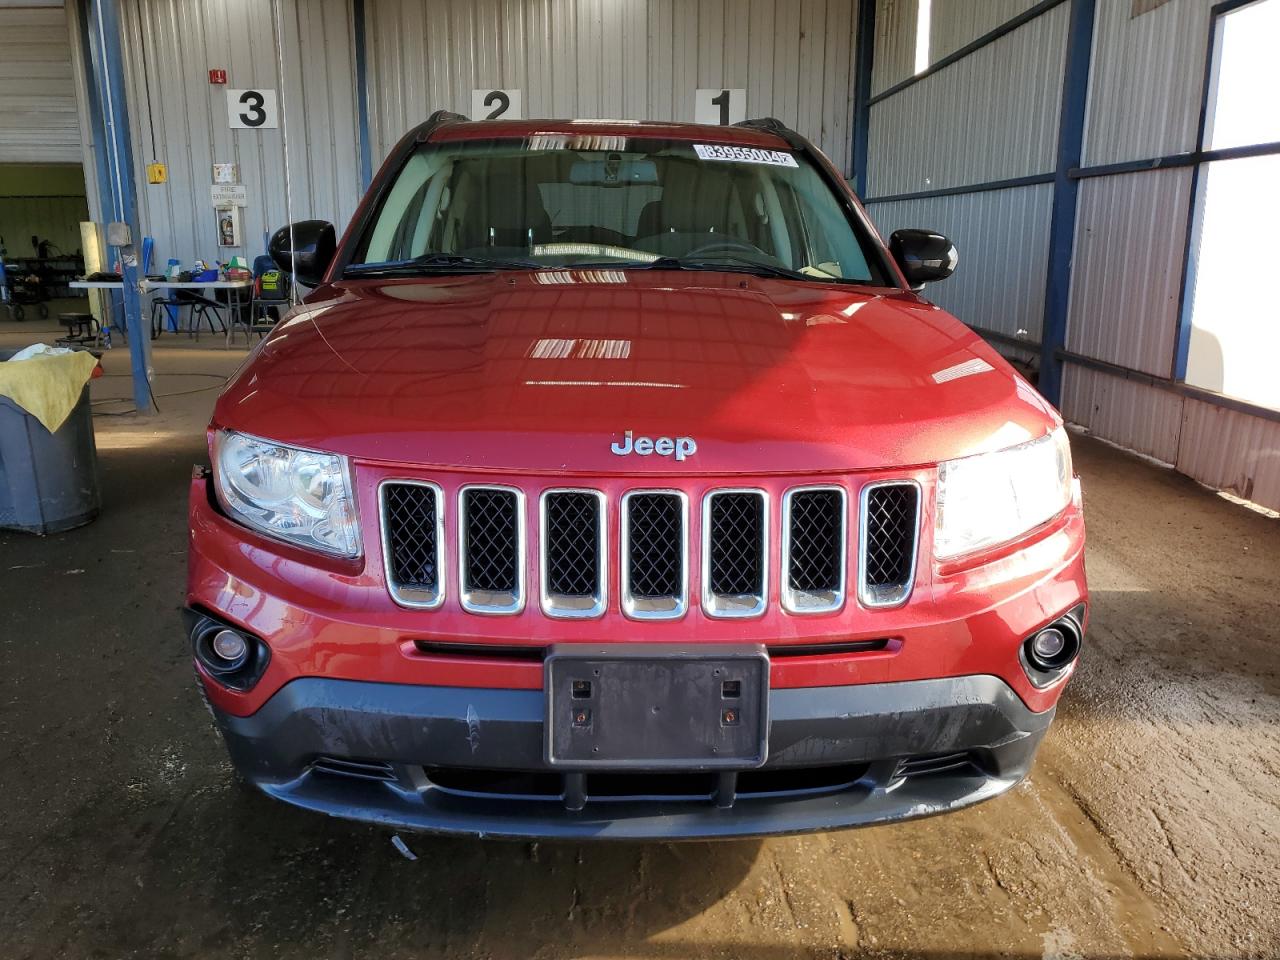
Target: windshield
617 202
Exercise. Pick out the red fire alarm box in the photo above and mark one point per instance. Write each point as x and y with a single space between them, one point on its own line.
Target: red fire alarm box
217 76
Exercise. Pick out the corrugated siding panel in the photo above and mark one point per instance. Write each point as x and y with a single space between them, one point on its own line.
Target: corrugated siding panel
954 23
1127 412
1003 240
1145 80
1230 450
991 116
56 219
178 118
38 120
1127 268
895 44
620 59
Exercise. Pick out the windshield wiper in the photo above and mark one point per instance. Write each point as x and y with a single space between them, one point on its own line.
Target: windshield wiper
728 264
437 263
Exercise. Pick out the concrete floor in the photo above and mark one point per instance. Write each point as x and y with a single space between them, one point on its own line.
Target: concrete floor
1148 828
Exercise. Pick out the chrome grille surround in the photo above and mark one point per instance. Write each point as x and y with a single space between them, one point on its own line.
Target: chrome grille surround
573 606
734 605
665 607
489 601
894 594
805 601
411 595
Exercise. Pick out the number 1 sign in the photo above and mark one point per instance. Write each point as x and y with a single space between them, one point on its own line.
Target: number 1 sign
720 106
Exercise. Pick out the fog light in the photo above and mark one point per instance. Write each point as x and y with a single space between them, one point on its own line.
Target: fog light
230 647
1048 644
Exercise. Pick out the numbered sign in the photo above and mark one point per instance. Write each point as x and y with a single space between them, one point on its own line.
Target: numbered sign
723 106
252 109
495 105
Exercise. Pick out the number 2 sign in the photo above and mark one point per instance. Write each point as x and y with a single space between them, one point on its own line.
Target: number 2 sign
252 109
495 105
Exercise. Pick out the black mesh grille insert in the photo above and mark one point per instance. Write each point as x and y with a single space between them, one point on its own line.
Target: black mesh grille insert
891 533
655 567
816 542
573 541
411 535
737 544
491 540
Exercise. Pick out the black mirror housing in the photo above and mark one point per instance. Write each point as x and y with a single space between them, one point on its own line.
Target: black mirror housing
305 249
924 256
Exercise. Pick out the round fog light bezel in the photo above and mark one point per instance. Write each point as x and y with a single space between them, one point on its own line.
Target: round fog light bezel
236 648
1044 670
1050 633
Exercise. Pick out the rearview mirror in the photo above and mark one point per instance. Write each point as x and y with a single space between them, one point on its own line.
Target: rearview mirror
304 249
923 256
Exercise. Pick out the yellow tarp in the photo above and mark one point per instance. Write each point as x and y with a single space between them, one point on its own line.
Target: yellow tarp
47 387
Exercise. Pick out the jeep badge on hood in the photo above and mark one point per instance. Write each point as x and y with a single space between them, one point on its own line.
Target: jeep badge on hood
681 447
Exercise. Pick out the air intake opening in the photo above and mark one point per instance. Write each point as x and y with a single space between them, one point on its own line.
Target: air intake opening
655 577
887 560
814 549
573 552
413 543
492 549
734 553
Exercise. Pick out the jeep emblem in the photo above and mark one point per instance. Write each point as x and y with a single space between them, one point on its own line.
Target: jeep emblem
663 446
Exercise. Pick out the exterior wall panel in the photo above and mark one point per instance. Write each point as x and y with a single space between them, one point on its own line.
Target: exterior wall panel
178 118
1146 75
1231 450
1003 240
991 116
895 43
38 118
955 23
621 59
1130 413
1127 269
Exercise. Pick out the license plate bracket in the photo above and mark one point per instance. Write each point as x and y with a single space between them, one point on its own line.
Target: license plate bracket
656 706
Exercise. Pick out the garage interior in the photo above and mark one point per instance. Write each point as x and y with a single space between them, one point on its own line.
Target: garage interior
1102 166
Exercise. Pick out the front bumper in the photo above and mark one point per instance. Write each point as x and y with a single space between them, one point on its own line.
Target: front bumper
470 761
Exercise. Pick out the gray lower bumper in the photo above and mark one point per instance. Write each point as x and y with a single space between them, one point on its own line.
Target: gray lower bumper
897 740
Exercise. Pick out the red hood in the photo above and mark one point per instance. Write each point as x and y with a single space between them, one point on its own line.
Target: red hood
544 371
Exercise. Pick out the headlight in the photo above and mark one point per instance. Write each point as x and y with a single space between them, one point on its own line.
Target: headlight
296 495
992 498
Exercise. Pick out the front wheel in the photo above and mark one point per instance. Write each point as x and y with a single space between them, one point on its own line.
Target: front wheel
19 314
44 311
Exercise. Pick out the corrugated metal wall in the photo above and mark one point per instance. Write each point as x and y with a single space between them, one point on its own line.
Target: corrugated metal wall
180 119
56 219
38 122
1003 239
991 116
623 59
954 23
895 43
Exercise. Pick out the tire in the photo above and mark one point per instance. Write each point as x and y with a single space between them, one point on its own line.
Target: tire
19 314
44 311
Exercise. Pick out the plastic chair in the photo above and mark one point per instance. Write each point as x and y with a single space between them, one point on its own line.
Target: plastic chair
271 296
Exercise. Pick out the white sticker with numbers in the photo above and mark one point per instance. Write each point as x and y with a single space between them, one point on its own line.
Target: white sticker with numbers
774 158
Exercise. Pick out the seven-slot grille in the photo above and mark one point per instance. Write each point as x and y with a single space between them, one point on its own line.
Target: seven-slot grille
887 562
653 555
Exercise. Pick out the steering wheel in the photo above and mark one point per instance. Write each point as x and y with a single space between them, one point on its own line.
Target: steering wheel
726 245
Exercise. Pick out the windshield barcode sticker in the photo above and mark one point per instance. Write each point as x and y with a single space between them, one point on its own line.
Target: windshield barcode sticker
776 158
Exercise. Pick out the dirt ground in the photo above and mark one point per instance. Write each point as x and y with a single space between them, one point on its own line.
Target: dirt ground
1150 826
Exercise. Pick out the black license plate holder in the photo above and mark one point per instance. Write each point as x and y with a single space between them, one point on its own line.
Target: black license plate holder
656 706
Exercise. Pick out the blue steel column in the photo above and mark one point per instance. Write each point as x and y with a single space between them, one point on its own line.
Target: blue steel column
1075 97
864 56
362 93
105 44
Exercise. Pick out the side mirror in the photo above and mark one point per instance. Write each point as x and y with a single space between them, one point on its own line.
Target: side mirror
304 249
923 256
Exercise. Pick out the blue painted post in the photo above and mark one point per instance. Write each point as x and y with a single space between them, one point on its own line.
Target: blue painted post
1075 97
362 95
864 57
105 44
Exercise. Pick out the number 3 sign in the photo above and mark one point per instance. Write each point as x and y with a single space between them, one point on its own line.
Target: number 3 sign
252 109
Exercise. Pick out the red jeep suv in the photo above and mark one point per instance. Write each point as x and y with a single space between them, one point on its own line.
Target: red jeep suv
614 481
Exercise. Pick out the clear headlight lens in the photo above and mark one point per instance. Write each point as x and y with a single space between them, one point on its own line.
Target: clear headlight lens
296 495
992 498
